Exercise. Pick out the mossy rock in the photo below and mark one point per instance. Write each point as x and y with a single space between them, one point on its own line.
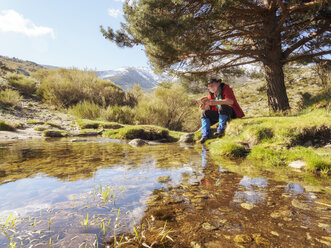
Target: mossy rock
35 122
138 132
55 133
6 127
90 124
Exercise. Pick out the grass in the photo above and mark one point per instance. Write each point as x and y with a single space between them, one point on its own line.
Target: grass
147 132
277 141
92 124
5 126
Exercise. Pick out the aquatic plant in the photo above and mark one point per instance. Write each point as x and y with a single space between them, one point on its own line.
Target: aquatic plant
85 222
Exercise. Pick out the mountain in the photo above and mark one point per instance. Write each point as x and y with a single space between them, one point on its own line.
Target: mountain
128 76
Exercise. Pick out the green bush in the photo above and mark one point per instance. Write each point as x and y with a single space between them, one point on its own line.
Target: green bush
86 110
26 86
10 97
68 87
170 107
121 114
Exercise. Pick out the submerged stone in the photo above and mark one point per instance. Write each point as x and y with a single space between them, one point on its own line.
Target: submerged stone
247 205
298 204
208 227
187 138
137 142
242 238
164 179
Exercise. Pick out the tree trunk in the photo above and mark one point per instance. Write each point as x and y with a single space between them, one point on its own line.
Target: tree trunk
277 97
276 91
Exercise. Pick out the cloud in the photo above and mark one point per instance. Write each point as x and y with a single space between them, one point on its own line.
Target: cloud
11 21
114 12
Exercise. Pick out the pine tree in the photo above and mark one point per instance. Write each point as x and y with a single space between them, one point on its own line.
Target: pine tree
204 36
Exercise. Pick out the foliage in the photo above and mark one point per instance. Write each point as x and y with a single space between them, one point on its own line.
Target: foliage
85 110
10 97
26 86
171 108
68 87
121 114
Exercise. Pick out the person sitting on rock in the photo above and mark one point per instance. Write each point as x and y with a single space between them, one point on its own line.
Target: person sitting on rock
221 106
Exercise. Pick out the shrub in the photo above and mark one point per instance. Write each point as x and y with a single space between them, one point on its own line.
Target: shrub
169 107
10 97
68 87
121 114
86 110
26 86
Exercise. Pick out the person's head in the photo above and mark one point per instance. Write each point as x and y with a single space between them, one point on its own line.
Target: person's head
213 84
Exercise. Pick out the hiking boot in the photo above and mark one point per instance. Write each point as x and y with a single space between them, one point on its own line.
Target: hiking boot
219 134
202 140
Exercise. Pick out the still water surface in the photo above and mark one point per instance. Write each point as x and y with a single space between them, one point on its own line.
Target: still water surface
60 193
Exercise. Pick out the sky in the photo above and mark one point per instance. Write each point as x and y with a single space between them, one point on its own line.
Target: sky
65 33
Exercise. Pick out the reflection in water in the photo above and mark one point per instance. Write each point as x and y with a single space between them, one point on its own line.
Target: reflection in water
51 187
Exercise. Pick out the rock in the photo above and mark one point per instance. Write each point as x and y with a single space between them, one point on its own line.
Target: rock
195 245
308 143
242 238
298 164
186 138
214 244
281 213
274 233
208 227
137 142
247 205
164 179
298 204
262 241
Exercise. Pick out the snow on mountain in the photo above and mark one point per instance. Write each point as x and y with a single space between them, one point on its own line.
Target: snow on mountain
128 76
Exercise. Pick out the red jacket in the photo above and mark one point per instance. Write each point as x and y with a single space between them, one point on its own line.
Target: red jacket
227 93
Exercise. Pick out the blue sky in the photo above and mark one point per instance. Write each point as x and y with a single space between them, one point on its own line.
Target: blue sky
65 33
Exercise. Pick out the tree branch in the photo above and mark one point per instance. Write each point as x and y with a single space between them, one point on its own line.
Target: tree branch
311 36
305 56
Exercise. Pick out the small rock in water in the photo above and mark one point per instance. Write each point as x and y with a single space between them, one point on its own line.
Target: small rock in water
195 245
243 238
208 227
298 204
137 142
298 164
186 138
274 233
247 205
164 179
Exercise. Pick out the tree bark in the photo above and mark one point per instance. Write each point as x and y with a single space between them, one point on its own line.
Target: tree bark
276 91
273 66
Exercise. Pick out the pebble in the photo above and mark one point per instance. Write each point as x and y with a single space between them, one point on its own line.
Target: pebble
208 227
274 233
242 238
195 244
164 179
247 205
298 204
281 213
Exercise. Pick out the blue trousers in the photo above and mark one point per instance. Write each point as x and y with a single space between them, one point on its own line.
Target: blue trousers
209 117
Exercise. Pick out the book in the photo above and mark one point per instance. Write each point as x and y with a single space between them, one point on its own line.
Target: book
202 101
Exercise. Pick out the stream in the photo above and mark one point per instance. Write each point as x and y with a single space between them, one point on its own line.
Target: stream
98 192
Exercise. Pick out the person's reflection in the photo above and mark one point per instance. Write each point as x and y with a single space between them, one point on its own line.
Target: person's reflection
222 184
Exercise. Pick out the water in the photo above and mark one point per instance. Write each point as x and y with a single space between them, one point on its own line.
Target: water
60 193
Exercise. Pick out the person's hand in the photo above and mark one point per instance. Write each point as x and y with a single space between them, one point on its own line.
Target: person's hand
204 107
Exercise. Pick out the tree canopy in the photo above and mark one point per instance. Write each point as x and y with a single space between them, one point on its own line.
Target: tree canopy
204 36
